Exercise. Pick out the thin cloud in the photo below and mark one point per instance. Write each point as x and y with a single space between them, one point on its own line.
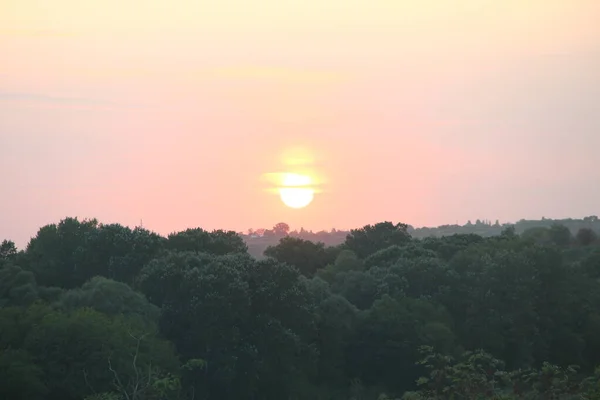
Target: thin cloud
52 99
59 100
276 73
36 33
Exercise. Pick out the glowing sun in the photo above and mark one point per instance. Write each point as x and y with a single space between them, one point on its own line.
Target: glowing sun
295 191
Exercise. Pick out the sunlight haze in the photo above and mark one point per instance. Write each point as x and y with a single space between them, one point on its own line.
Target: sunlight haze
424 112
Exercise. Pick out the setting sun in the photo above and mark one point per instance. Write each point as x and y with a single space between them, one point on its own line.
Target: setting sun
296 197
295 191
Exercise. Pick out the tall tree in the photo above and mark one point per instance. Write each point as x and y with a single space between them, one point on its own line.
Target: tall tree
218 242
586 236
54 254
371 238
8 250
305 255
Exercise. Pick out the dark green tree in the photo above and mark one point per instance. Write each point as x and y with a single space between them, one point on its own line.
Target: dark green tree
586 236
371 238
8 250
305 255
217 242
78 353
111 298
54 254
21 378
560 235
17 287
387 339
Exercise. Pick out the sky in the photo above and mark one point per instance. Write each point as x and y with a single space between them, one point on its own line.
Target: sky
426 112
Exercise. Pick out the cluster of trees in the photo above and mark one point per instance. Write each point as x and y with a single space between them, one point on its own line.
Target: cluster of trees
104 312
259 239
487 228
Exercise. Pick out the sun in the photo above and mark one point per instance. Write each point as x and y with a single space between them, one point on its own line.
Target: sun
296 197
295 190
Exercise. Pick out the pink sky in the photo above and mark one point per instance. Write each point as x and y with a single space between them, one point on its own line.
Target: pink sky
421 111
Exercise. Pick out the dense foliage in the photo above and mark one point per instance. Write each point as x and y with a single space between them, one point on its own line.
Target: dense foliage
104 312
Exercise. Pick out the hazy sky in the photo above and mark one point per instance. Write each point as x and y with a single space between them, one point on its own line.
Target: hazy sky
421 111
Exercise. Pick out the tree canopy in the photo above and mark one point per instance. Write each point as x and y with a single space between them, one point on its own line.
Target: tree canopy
105 312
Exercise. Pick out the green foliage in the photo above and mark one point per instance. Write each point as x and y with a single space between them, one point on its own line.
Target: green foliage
80 352
371 238
305 255
20 376
478 375
586 236
560 235
345 261
389 256
17 287
336 320
248 320
8 250
54 253
218 242
388 336
117 252
105 312
110 297
70 253
539 234
448 246
360 288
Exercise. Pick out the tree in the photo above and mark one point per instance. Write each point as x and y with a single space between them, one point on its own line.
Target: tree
21 377
77 352
390 256
8 250
586 236
336 321
249 320
358 287
509 232
162 279
111 298
281 229
538 234
371 238
345 261
281 329
422 277
217 242
477 374
119 253
305 255
448 246
149 383
560 235
54 254
17 287
388 335
72 352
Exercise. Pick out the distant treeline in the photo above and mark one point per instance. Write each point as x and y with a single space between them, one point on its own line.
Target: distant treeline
258 240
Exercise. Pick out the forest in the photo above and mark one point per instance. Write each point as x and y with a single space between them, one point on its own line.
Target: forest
92 311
